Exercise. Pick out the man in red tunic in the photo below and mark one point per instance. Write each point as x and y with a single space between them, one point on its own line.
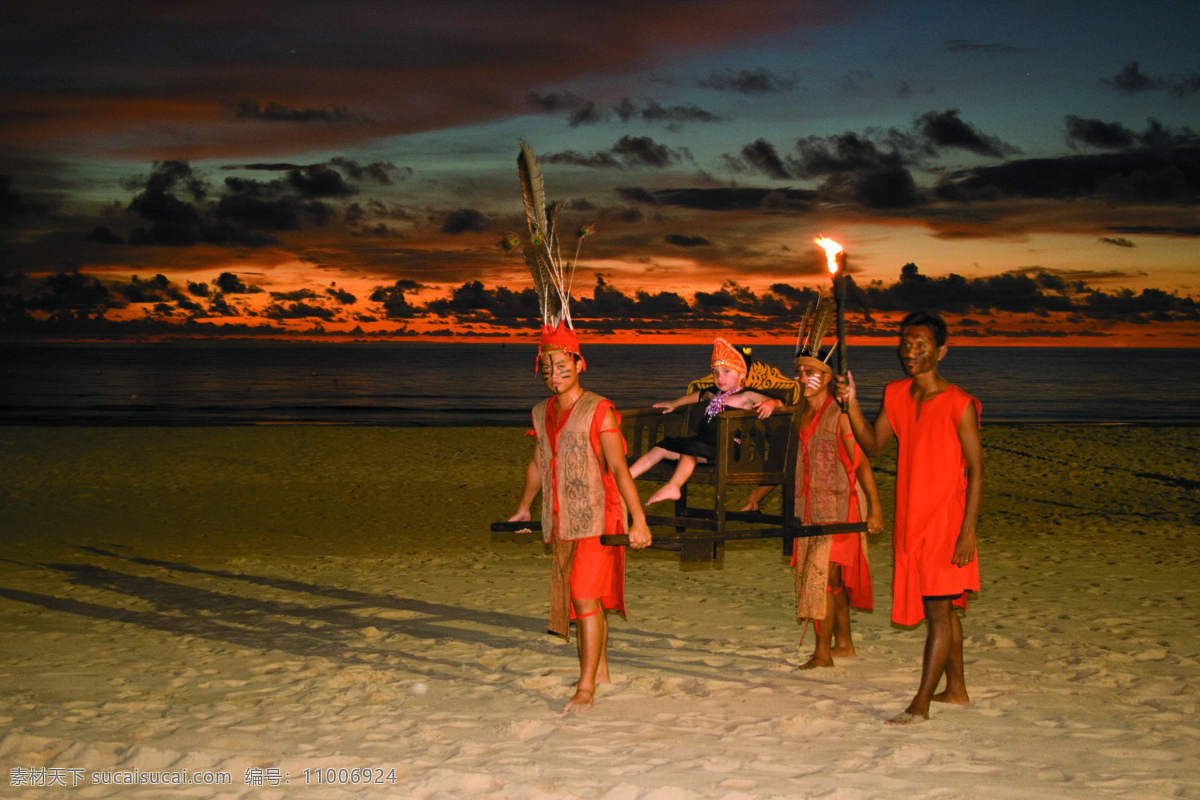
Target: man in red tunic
579 468
939 487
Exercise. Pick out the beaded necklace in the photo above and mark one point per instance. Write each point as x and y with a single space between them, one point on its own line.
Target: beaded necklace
717 404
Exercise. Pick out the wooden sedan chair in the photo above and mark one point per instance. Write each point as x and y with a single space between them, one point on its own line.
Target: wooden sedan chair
750 451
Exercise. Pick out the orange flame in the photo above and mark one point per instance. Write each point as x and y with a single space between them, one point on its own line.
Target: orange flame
831 249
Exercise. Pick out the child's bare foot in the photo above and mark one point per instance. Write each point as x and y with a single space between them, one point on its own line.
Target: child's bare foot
751 506
907 718
581 701
667 492
958 699
817 661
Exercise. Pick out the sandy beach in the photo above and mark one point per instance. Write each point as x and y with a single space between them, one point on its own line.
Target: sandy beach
315 611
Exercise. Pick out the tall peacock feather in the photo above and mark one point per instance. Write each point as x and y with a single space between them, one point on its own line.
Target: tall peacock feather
552 277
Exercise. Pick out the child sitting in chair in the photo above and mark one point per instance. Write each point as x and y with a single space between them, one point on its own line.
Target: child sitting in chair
729 369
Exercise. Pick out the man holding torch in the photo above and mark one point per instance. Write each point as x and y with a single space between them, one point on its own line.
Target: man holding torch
939 488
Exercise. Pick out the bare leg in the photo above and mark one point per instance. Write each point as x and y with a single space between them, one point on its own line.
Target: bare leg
823 655
843 646
649 459
757 496
956 679
941 624
672 489
592 631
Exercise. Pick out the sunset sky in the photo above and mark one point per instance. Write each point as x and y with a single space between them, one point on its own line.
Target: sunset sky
348 169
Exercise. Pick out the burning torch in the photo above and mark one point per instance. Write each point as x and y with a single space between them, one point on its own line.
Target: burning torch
835 258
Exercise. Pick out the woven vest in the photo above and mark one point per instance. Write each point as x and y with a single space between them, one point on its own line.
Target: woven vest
573 476
820 463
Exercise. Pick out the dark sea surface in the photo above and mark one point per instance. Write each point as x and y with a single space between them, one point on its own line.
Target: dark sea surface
385 383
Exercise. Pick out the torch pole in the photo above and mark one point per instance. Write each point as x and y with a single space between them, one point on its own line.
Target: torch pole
839 295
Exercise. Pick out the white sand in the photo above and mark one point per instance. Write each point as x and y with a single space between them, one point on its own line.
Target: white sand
265 601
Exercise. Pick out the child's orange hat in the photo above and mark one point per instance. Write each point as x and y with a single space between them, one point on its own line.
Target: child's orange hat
728 356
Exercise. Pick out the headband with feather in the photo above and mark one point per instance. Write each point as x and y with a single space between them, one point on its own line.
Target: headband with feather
815 323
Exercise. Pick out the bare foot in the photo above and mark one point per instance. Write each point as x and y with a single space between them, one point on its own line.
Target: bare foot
817 661
600 679
907 718
667 492
843 651
751 506
956 699
581 701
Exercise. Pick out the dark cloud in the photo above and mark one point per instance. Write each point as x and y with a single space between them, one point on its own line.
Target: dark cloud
475 302
656 112
1157 230
748 81
947 129
465 220
156 290
1116 241
1032 292
342 296
642 151
103 235
1115 136
556 101
871 163
277 112
299 311
634 194
319 181
763 158
724 198
281 214
587 114
886 188
237 218
680 240
651 111
229 283
1144 176
393 298
295 295
71 299
629 151
158 202
818 156
73 291
1098 134
1131 80
384 173
600 160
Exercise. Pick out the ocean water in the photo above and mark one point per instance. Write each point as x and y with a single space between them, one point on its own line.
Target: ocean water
407 384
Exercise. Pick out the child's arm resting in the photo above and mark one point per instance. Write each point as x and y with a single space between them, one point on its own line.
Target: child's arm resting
671 405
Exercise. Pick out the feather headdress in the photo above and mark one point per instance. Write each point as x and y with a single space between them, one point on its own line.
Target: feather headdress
552 276
818 316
